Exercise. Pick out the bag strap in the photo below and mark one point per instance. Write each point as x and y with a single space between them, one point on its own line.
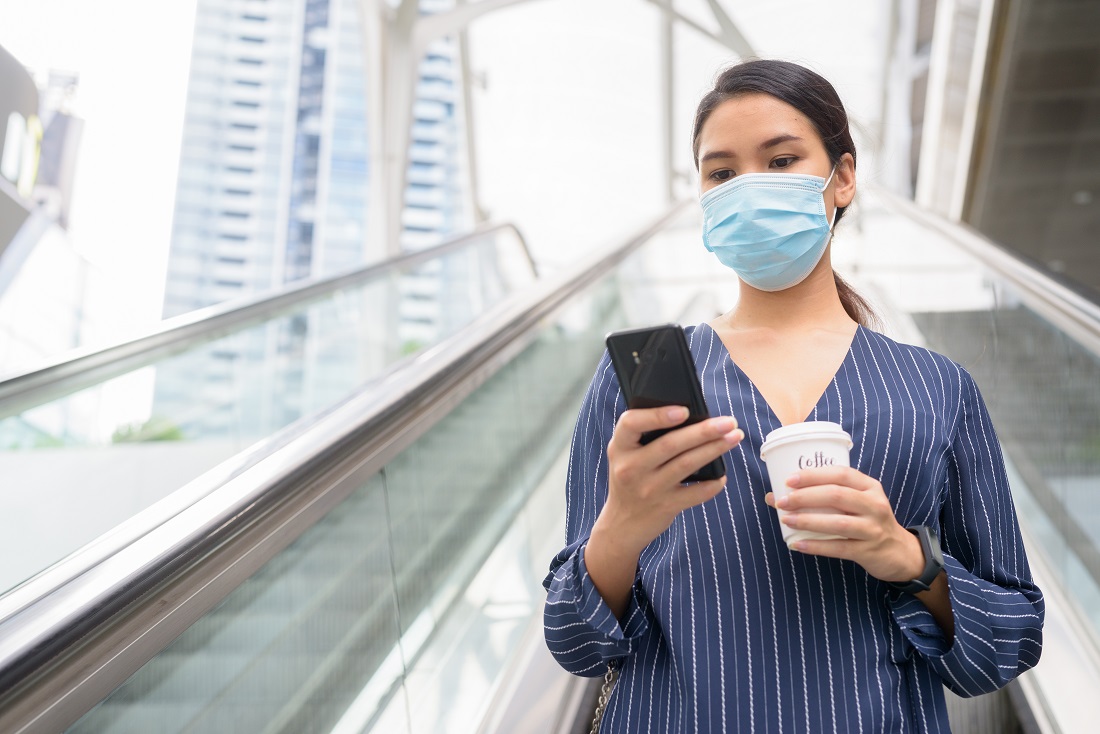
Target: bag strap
609 679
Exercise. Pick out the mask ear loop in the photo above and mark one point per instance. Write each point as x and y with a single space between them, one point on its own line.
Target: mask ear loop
835 207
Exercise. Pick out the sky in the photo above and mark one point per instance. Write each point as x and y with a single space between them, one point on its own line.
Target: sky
569 130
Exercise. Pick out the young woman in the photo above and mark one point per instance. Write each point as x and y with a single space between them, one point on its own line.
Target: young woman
713 622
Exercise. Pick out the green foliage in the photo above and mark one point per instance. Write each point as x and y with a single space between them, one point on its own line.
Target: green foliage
157 428
47 441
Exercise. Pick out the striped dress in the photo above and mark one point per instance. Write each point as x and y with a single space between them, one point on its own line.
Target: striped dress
729 631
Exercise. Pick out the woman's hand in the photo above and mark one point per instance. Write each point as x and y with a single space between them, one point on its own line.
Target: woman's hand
874 539
645 491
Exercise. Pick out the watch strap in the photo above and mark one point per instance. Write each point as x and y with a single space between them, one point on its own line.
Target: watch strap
933 561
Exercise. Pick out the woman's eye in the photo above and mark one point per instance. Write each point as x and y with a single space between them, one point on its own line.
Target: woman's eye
723 175
784 161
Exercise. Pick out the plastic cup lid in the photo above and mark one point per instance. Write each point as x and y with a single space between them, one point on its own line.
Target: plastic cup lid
811 430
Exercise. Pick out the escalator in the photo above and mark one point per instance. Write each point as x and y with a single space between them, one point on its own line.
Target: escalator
288 584
369 559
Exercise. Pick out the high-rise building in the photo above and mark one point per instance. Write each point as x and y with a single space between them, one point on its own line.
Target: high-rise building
274 176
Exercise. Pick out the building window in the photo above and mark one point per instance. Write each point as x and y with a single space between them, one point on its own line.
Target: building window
246 105
251 62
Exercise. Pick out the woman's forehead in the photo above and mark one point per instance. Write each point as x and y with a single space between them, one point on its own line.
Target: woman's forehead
751 118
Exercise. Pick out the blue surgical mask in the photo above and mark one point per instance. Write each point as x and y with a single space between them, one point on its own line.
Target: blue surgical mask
770 228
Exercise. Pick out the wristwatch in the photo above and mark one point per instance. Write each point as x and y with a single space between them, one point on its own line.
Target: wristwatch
933 561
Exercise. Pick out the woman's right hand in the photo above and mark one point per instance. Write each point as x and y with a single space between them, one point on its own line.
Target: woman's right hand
645 491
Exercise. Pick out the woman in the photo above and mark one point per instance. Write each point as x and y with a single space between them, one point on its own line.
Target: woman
714 624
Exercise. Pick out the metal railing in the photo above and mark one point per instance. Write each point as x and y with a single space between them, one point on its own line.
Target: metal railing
1068 310
84 367
64 648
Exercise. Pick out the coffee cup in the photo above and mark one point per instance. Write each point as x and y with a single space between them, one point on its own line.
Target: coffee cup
810 445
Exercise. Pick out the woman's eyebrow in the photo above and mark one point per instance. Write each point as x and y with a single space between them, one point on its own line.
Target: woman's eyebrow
784 138
770 143
716 154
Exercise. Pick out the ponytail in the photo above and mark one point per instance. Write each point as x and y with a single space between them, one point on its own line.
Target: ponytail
855 305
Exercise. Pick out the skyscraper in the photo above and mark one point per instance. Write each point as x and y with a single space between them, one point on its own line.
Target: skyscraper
274 169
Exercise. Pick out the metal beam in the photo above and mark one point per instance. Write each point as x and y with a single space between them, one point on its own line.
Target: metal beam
733 40
668 98
479 213
402 36
431 27
731 34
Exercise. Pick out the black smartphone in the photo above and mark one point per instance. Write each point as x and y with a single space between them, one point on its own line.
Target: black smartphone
655 368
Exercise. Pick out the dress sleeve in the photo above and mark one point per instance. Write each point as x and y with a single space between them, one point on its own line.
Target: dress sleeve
581 631
998 609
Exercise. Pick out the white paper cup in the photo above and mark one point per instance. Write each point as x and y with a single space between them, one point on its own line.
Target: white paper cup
809 445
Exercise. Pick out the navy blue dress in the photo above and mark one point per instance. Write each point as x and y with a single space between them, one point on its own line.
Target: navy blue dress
728 630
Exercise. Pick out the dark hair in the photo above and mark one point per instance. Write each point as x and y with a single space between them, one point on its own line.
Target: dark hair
813 96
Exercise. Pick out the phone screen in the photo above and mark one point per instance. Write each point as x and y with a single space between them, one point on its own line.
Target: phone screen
655 368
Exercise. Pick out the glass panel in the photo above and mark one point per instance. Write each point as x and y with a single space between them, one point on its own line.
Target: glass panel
330 632
100 456
289 650
447 502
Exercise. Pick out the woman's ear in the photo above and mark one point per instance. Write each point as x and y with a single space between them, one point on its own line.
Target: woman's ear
844 189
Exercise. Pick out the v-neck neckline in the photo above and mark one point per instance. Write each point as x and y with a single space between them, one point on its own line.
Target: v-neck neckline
773 417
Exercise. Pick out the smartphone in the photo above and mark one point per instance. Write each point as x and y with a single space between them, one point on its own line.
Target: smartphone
655 368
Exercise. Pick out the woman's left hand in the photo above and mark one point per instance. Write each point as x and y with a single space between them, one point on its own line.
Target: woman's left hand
864 517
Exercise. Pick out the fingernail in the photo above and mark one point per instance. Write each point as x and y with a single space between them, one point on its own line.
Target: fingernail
799 545
677 412
781 502
724 425
793 480
734 436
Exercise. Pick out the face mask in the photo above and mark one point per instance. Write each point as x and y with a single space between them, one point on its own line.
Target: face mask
770 228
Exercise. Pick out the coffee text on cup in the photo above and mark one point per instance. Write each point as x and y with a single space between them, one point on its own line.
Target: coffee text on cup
815 461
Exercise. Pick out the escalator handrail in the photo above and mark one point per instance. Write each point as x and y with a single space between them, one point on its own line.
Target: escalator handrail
233 530
87 366
1066 309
